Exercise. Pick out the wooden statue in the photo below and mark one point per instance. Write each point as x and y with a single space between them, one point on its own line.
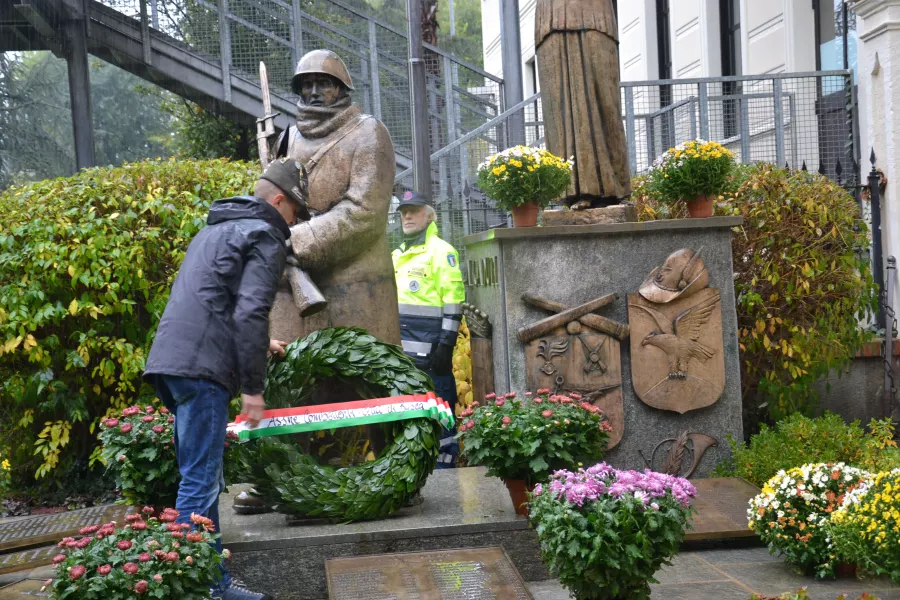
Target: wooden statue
578 65
677 349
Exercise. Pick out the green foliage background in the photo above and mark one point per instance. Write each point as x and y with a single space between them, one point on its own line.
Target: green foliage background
799 440
86 263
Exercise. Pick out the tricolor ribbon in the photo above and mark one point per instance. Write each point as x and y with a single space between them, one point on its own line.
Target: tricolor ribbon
283 421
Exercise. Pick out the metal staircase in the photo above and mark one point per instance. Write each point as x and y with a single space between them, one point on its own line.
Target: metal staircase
182 45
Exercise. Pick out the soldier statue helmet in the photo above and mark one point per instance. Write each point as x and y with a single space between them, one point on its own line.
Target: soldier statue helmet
681 275
323 62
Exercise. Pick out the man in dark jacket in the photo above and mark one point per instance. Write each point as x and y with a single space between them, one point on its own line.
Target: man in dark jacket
213 337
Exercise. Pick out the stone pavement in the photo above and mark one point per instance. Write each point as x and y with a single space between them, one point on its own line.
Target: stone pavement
735 574
697 575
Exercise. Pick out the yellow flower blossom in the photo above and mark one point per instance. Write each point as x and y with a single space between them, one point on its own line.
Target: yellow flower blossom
5 465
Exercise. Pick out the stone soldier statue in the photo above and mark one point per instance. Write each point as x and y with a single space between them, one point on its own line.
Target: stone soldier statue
343 247
578 64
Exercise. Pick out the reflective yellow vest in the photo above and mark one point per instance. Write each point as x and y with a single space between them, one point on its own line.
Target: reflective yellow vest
431 292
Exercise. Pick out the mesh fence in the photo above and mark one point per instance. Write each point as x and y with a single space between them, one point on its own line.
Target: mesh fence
787 120
801 121
460 97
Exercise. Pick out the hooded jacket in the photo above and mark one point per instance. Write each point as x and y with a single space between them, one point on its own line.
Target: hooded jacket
216 324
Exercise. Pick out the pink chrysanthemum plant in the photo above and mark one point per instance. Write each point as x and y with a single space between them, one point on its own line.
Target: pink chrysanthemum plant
146 557
605 532
527 438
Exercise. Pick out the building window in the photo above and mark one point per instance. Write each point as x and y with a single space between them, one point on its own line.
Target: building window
664 43
663 126
832 35
730 14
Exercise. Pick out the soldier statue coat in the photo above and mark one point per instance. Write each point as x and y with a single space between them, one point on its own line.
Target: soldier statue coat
344 246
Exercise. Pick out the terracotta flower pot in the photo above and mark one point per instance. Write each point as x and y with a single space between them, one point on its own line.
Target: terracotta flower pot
518 493
700 207
845 570
525 215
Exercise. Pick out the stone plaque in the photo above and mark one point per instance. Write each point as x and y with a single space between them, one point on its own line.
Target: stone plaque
47 529
30 588
677 356
27 560
586 362
721 509
468 574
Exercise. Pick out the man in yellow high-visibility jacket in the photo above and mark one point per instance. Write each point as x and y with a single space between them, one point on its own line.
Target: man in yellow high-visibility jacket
430 292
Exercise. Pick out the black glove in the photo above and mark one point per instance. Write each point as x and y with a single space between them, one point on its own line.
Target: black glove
442 360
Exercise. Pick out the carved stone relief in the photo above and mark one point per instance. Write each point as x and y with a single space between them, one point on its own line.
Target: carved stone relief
677 349
683 455
574 356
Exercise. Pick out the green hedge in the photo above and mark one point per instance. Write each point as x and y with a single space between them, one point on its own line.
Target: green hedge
86 263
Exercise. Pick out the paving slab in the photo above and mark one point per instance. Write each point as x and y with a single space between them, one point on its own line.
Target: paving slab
736 574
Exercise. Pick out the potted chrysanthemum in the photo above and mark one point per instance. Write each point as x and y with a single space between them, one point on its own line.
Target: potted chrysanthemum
606 532
524 439
523 180
144 557
792 513
694 172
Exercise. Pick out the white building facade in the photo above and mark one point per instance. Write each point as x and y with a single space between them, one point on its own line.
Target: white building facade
676 39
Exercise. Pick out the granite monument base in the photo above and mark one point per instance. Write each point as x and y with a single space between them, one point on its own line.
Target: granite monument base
569 266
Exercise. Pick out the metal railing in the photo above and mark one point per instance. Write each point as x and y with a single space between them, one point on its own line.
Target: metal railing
241 33
786 119
803 120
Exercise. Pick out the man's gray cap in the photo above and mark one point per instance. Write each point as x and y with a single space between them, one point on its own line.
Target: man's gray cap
290 177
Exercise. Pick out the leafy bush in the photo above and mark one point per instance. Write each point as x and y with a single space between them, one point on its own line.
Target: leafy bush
532 437
694 168
138 449
86 263
799 440
156 558
605 533
802 281
792 513
522 174
866 529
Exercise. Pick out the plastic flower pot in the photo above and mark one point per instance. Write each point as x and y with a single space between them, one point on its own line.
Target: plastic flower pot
700 207
518 493
525 215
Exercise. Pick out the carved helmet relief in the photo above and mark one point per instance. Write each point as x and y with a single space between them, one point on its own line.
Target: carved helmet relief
676 343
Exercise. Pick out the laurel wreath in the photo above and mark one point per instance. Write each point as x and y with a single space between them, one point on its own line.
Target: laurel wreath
295 481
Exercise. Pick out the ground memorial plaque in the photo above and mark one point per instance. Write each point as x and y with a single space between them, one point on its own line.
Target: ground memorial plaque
721 505
27 559
30 588
468 574
49 529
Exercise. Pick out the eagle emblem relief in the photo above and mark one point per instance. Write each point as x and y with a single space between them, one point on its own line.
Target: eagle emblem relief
677 347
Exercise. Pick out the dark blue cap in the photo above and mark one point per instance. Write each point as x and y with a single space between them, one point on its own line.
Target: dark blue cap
413 199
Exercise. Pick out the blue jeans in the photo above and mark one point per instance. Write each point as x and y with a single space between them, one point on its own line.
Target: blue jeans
445 387
200 408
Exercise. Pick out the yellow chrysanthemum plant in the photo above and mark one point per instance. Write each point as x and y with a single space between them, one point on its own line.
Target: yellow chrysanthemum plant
865 531
694 169
522 174
792 515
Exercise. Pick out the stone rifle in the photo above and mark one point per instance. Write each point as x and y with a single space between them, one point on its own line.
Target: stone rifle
307 297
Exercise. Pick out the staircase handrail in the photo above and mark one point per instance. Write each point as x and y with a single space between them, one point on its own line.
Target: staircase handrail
475 133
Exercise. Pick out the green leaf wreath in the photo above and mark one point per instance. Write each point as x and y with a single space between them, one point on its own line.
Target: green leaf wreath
284 475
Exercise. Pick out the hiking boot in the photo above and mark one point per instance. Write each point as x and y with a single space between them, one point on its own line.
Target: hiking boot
238 591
